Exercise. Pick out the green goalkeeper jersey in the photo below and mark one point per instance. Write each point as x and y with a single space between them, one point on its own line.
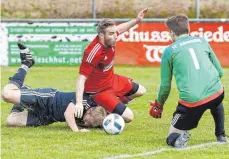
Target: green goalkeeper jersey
196 69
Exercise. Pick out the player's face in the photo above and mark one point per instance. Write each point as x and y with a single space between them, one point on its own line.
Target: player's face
110 36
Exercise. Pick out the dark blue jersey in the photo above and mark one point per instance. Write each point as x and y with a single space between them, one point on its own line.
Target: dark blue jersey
62 100
48 105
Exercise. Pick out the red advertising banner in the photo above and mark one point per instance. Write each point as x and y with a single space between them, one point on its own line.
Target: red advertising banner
144 43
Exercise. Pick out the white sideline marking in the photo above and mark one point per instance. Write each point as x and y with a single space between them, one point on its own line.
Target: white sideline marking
163 150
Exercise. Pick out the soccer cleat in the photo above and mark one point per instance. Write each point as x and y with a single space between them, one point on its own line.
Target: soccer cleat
222 138
23 51
182 140
25 55
21 46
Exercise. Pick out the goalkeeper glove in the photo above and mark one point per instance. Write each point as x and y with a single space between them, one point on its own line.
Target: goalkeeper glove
156 109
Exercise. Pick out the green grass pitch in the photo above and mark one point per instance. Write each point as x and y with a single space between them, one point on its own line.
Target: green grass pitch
144 134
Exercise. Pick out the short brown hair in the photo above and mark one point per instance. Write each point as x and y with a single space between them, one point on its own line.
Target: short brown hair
178 24
105 23
97 116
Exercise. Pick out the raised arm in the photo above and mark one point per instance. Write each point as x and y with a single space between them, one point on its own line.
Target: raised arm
126 26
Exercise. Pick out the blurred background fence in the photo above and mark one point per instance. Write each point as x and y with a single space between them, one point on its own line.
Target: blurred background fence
113 8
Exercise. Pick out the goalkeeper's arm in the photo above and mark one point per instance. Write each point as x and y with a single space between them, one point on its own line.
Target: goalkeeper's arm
166 77
215 61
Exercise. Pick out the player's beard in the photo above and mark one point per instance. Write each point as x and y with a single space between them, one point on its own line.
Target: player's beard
110 43
113 44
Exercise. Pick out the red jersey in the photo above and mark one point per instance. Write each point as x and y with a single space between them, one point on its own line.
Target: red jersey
97 66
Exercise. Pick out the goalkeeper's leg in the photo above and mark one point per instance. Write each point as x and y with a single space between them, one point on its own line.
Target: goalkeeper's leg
177 138
218 115
184 119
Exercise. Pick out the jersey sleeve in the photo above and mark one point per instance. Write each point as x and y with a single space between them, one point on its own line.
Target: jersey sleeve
166 77
215 61
90 60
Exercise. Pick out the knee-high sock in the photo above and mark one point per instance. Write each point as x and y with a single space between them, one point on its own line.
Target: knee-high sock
19 77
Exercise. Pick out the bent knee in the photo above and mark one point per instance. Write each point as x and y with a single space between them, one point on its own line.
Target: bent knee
128 115
129 119
17 119
141 90
6 94
11 120
11 94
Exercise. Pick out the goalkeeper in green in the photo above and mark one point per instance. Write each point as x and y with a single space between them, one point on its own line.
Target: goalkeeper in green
197 72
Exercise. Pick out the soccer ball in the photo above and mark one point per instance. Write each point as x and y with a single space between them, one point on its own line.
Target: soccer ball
113 124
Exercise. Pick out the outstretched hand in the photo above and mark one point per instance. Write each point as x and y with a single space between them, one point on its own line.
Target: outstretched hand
156 109
79 110
141 14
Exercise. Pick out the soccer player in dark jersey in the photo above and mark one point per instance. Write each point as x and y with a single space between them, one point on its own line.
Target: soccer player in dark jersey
197 72
47 105
96 75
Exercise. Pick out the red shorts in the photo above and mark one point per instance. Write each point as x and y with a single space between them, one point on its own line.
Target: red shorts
108 98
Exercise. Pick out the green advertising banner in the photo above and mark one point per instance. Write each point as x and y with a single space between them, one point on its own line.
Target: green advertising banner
51 44
50 53
51 29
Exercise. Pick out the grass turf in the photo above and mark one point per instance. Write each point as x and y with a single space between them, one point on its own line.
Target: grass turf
142 135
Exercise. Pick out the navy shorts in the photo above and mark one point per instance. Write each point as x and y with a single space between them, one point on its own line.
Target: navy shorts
185 118
38 102
34 119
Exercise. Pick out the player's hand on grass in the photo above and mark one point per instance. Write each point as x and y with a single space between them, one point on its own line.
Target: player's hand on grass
156 109
84 130
141 14
78 110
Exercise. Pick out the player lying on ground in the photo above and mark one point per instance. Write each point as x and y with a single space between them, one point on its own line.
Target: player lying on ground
46 106
197 72
96 75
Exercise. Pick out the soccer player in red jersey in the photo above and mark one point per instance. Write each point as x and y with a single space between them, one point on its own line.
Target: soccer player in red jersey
96 75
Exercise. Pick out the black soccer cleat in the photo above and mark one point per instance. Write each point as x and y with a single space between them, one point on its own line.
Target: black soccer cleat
222 138
25 55
21 46
182 140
